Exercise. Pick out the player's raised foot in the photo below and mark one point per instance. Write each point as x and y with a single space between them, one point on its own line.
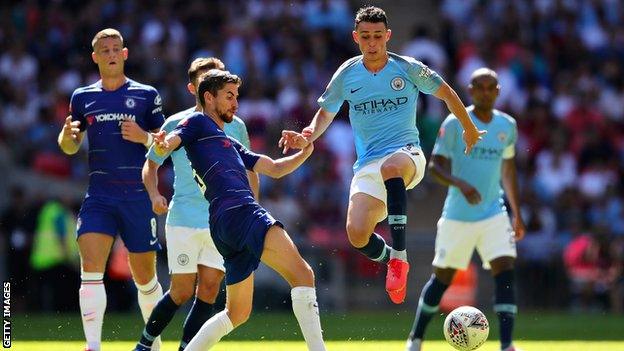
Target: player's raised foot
413 345
511 348
396 280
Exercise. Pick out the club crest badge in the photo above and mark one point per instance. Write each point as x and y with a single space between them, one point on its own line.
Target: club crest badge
502 137
130 103
397 83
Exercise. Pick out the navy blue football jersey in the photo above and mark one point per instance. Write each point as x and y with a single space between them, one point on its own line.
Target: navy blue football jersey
219 163
114 163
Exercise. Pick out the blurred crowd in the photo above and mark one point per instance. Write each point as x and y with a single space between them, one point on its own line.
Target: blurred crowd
560 67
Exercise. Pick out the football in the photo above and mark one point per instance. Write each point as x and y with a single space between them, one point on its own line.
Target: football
466 328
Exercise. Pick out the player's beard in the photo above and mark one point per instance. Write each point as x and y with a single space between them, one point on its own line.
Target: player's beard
225 116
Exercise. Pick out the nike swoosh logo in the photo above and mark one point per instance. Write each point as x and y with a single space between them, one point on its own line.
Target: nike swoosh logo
354 90
89 104
153 242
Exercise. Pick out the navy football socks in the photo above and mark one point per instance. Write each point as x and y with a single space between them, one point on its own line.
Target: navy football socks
199 314
162 314
376 249
427 306
397 211
505 305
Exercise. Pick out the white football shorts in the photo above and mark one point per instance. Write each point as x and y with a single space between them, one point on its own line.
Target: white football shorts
368 179
188 247
456 240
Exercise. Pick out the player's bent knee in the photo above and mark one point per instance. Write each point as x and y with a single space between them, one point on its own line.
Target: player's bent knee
390 170
180 294
208 292
358 236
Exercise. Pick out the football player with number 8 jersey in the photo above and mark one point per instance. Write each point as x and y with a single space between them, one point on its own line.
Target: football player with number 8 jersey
117 114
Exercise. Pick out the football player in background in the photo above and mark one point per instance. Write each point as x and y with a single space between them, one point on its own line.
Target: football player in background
117 114
474 213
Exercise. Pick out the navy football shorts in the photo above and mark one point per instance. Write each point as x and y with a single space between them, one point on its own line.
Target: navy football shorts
239 236
133 220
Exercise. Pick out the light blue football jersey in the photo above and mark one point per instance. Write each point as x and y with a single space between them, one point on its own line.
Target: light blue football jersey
382 105
188 207
481 169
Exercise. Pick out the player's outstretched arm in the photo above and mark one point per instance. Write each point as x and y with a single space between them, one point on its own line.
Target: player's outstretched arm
440 168
282 166
70 137
322 119
471 134
293 140
150 180
510 184
165 143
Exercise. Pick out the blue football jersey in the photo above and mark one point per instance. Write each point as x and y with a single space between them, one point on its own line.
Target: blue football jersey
219 163
114 163
188 208
481 169
382 105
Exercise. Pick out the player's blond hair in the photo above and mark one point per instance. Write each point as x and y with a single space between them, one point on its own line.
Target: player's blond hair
106 33
203 64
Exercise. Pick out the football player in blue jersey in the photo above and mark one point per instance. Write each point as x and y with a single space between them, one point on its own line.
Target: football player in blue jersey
191 252
382 90
243 231
474 213
117 114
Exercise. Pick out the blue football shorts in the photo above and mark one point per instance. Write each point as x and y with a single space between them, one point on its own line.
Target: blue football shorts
134 221
239 236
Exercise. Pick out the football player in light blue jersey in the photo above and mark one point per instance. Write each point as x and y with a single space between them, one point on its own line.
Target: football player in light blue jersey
474 213
117 114
381 89
191 253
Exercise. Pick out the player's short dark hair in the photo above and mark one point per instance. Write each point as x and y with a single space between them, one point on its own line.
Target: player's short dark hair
213 81
372 14
106 33
483 72
203 64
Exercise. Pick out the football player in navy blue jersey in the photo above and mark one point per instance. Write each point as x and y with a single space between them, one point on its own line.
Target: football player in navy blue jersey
195 265
117 113
243 231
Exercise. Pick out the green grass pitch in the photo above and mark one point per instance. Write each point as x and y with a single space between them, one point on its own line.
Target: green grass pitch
535 331
436 345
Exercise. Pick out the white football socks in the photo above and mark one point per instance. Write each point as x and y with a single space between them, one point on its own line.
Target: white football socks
92 298
306 310
148 296
211 332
